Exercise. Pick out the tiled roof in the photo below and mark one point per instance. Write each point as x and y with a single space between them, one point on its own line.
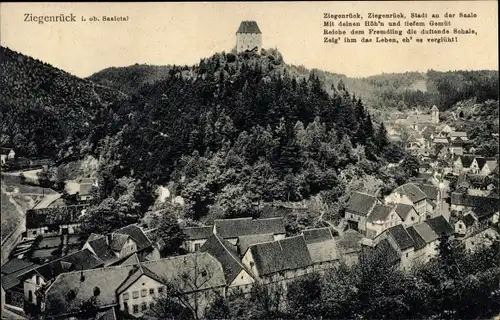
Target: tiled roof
440 226
384 247
361 203
401 237
403 210
380 213
417 239
118 241
139 271
349 241
13 271
102 250
286 254
137 235
469 220
474 201
440 140
430 191
246 241
133 259
412 191
36 218
196 266
234 228
321 245
80 260
223 251
466 160
198 233
425 232
458 134
82 283
15 265
248 27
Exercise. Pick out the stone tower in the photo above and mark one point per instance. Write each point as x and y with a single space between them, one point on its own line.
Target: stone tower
435 114
248 37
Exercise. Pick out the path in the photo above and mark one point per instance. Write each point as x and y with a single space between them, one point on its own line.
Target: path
47 200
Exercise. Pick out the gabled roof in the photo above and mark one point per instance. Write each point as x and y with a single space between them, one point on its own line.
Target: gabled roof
198 233
12 270
234 228
248 27
80 260
82 283
412 191
403 210
380 213
246 241
137 234
321 245
466 160
102 250
426 232
15 265
430 191
480 162
349 241
196 266
361 203
440 140
401 237
474 201
138 271
457 134
223 251
118 241
5 150
469 220
434 108
281 255
417 239
133 259
440 226
384 247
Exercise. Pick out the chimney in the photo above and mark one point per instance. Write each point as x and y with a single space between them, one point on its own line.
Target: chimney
109 238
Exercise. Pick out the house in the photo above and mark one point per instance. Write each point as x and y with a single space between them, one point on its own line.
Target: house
488 167
381 218
238 276
322 248
407 214
7 154
433 200
483 207
440 226
133 288
462 163
425 240
118 245
196 237
248 37
53 221
12 286
358 208
279 261
41 276
443 130
401 241
465 225
440 141
457 134
409 194
85 188
349 246
457 147
232 229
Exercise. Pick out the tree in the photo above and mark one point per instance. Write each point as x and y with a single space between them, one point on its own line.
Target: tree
170 234
187 292
304 297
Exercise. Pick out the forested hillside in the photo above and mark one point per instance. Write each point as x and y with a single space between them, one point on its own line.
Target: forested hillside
44 109
237 130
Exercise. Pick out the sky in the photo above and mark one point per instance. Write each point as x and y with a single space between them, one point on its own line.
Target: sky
182 33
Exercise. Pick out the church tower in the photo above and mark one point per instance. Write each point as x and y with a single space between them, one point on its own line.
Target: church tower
248 37
435 114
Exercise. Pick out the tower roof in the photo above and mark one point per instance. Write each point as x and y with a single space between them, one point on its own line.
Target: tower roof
248 27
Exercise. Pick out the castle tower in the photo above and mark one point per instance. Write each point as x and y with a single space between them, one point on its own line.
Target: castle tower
435 114
248 37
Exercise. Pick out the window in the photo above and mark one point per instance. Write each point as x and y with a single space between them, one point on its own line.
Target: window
37 278
30 296
135 308
135 294
152 291
412 218
143 307
125 296
196 246
144 292
160 290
